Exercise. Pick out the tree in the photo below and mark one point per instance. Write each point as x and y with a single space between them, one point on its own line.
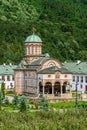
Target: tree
15 100
54 20
6 101
3 90
0 101
23 105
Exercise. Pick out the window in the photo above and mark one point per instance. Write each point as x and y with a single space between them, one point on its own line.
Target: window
81 86
12 77
86 79
77 78
65 75
3 78
86 88
26 84
11 85
73 78
25 74
49 75
81 78
8 78
57 76
8 86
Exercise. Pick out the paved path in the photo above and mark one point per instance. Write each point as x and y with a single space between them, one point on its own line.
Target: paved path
10 98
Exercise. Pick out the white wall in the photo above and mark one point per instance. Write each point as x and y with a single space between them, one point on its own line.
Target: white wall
8 84
80 85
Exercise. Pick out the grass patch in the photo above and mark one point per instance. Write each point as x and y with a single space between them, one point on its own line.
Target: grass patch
10 107
9 93
68 104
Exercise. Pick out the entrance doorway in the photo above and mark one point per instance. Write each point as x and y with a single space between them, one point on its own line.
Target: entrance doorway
86 88
40 88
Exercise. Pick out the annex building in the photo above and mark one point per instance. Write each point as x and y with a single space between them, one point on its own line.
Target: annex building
79 75
7 75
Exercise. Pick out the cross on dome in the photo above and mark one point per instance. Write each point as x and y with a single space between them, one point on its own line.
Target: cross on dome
33 30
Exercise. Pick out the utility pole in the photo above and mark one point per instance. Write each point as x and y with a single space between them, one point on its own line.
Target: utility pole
76 96
0 100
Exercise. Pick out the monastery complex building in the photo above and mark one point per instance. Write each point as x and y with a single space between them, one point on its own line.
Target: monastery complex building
40 75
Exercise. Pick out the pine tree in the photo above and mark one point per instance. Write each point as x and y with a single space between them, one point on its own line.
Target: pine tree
6 100
23 106
15 100
3 90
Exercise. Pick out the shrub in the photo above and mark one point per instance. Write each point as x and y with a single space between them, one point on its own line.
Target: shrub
36 104
9 92
15 100
23 104
6 101
44 103
0 100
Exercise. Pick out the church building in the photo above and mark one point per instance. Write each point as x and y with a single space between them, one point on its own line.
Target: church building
40 75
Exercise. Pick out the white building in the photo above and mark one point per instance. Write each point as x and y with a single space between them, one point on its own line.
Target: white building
79 75
7 75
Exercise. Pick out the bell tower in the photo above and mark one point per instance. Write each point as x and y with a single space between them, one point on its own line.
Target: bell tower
33 48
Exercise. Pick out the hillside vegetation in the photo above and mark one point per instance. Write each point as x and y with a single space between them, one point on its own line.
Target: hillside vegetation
62 25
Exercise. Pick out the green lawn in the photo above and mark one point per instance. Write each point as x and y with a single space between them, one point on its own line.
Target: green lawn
10 107
58 105
68 104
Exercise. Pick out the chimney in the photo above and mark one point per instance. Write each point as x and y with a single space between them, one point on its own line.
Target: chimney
10 65
4 64
78 62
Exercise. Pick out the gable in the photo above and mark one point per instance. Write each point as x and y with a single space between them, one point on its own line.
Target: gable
51 63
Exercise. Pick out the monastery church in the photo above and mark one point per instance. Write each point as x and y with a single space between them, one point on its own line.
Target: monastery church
40 75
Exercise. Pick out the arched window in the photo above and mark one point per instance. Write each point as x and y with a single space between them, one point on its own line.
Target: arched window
64 87
40 87
57 88
48 88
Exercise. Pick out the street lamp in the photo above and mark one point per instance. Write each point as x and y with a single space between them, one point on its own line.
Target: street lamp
76 96
0 100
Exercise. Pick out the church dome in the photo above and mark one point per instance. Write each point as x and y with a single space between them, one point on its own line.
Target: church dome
33 38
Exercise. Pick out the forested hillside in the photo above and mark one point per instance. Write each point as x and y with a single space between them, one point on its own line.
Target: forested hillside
61 24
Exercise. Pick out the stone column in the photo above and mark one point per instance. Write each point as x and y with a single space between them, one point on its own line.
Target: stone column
61 89
40 50
70 88
34 49
27 50
43 90
52 89
30 49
